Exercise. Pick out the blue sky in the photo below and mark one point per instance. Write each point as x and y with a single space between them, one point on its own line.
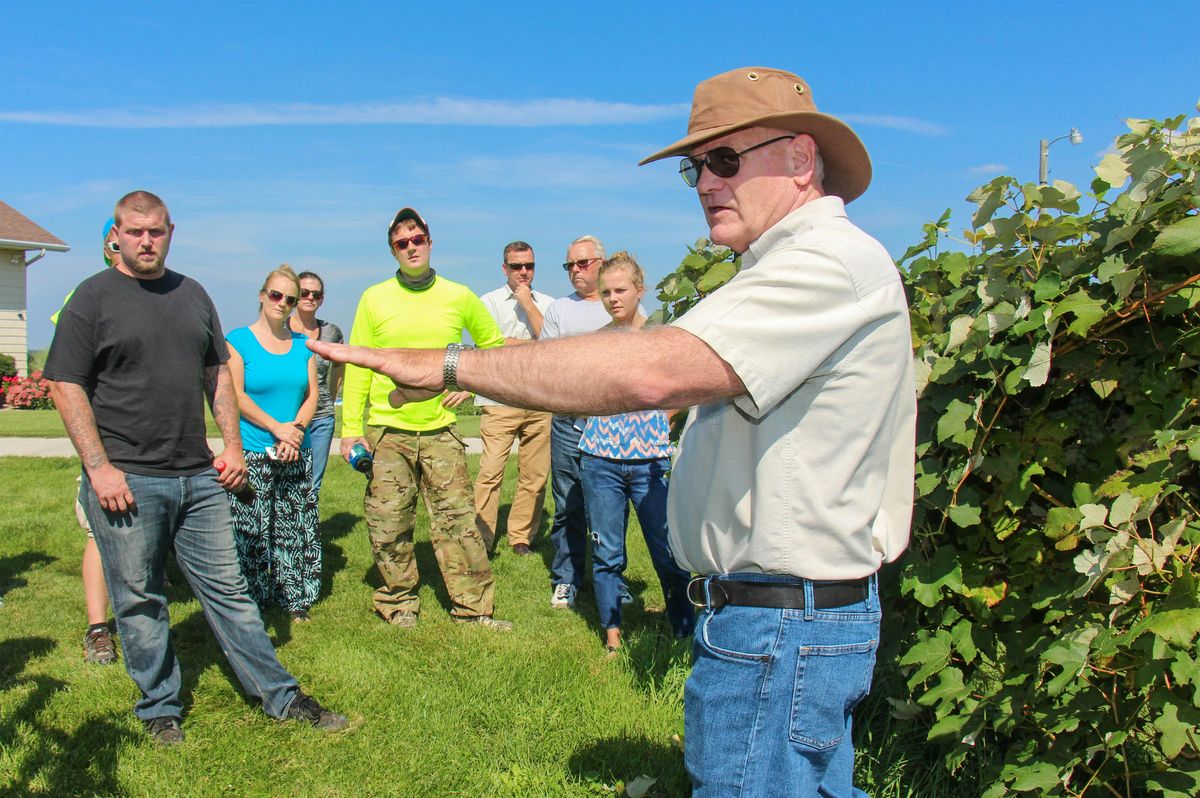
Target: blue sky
292 132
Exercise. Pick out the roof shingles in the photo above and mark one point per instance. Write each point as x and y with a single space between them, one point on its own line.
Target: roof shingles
16 227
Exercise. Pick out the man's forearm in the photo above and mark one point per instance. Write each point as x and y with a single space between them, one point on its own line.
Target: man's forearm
602 373
77 416
218 384
535 319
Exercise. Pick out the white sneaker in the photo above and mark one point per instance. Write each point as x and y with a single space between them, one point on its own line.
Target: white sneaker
626 596
563 597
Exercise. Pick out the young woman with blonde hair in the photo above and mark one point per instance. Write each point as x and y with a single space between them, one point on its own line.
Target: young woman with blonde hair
275 378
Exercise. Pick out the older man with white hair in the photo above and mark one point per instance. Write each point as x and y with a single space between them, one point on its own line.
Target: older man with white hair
795 475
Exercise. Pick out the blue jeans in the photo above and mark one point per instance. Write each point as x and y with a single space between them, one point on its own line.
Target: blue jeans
608 488
568 533
191 514
320 434
767 709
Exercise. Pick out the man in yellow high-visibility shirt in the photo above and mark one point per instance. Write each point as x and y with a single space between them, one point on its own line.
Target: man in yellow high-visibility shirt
416 448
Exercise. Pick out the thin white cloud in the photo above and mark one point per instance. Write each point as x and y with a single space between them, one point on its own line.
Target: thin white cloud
905 123
432 111
988 169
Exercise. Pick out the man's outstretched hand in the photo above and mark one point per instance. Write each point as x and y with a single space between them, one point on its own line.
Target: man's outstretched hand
416 372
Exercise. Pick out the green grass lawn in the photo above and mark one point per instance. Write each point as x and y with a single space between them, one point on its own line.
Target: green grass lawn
47 424
438 710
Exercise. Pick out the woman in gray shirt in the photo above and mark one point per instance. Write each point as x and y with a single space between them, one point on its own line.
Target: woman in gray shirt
329 375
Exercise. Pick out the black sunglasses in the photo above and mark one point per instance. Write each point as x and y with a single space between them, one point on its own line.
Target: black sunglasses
518 266
582 263
721 161
317 295
279 296
401 244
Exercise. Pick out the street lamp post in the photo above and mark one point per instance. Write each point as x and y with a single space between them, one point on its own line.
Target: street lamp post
1076 138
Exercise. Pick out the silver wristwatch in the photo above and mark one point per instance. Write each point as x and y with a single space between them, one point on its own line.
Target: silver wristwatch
450 366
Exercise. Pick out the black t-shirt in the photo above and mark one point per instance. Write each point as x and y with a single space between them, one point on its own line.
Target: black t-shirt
139 348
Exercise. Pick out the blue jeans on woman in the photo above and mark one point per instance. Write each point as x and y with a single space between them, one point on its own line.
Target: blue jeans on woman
191 514
608 488
320 435
768 707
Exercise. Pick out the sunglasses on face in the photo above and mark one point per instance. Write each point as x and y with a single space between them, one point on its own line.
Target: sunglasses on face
582 263
512 267
316 295
401 244
721 161
279 296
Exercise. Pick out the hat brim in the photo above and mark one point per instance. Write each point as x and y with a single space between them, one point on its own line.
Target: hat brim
847 164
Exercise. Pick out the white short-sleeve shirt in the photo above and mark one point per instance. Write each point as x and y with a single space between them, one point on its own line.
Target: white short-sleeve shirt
810 473
511 318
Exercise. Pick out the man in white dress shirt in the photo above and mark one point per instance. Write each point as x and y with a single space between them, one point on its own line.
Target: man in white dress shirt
518 310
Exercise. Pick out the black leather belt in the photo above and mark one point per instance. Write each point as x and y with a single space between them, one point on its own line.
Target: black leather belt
826 595
419 433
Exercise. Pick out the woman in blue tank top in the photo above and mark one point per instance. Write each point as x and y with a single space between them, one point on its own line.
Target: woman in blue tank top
626 458
275 377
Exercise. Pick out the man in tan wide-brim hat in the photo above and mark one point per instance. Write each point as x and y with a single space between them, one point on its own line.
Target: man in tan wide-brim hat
795 474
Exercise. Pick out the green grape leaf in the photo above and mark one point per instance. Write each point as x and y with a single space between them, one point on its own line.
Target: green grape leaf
1178 240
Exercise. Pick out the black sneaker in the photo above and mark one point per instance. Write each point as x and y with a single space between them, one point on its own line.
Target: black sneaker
164 731
304 707
98 647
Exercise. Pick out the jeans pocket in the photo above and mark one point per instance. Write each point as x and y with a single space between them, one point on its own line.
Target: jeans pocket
830 682
724 636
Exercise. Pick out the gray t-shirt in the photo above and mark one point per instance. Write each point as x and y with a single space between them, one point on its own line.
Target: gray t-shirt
326 331
572 315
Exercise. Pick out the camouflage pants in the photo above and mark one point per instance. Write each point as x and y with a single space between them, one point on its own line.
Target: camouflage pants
434 466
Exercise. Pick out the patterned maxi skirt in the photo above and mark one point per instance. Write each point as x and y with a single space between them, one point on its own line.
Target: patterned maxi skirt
276 535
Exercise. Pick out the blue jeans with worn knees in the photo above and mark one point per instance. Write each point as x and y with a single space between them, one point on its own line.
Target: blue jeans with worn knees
769 703
320 433
608 488
192 514
568 533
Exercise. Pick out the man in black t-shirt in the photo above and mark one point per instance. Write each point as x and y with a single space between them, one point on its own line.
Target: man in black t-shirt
137 350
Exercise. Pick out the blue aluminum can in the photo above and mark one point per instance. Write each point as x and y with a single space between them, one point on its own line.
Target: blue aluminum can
360 459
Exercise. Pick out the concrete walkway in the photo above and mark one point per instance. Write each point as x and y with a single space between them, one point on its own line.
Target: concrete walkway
61 447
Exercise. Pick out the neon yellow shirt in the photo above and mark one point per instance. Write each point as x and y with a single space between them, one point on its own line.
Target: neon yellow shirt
390 315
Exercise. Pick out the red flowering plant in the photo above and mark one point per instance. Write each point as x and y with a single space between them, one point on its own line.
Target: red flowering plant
29 393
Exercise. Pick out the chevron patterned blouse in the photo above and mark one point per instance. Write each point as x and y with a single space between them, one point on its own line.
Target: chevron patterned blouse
644 435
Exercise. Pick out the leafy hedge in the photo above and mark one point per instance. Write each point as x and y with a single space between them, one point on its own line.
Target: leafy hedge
1049 602
1053 597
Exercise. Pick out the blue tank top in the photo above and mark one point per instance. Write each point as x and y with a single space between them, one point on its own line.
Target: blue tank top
276 383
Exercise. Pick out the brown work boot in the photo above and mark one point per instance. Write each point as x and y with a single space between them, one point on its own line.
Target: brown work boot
403 619
487 622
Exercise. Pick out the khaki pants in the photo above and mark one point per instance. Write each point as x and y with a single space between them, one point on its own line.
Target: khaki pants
499 427
434 466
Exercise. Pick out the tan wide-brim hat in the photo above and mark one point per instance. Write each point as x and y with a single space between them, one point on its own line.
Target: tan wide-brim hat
758 96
